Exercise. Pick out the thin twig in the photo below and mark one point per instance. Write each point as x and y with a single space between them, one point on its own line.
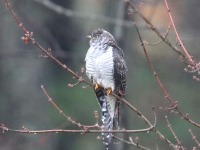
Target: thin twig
157 79
24 130
86 130
154 29
179 145
193 66
165 36
194 138
177 35
96 125
135 110
131 143
66 116
174 104
186 58
29 37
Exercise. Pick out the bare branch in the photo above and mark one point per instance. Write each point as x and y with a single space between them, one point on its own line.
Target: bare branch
165 36
86 127
154 29
86 130
157 79
178 37
194 138
174 104
174 134
28 37
24 130
66 116
131 143
193 66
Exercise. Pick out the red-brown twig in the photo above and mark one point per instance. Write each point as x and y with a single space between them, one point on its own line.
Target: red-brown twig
177 35
154 29
28 37
66 116
174 104
193 66
84 127
157 79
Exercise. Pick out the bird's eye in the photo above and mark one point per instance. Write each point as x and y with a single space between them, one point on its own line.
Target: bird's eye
95 35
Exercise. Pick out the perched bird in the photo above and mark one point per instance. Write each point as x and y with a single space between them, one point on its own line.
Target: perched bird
106 68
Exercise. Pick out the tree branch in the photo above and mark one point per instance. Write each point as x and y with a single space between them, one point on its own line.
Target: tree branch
179 145
154 29
178 37
131 143
87 127
194 138
174 104
28 37
86 130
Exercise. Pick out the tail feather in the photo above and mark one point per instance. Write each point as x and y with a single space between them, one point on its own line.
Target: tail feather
107 105
116 120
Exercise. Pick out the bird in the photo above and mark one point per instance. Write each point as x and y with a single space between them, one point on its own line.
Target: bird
106 68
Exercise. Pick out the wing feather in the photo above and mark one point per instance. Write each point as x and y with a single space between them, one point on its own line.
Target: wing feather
120 70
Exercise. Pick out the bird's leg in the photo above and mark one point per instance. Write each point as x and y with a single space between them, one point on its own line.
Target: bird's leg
97 86
116 114
109 91
121 93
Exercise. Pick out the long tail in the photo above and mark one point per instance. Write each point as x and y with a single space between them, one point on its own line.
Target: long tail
107 105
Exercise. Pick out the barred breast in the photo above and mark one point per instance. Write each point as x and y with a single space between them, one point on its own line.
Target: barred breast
100 67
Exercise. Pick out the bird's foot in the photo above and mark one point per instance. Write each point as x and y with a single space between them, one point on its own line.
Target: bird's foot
96 86
109 91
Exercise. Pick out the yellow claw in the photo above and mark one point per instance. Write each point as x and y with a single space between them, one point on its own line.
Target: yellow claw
96 86
109 91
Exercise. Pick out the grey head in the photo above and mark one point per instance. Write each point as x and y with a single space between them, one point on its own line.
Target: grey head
100 37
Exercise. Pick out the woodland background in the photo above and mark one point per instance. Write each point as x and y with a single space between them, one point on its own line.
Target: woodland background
22 71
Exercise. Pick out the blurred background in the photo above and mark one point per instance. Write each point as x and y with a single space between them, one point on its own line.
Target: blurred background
62 26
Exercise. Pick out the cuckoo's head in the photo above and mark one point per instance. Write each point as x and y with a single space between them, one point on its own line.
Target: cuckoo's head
101 37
